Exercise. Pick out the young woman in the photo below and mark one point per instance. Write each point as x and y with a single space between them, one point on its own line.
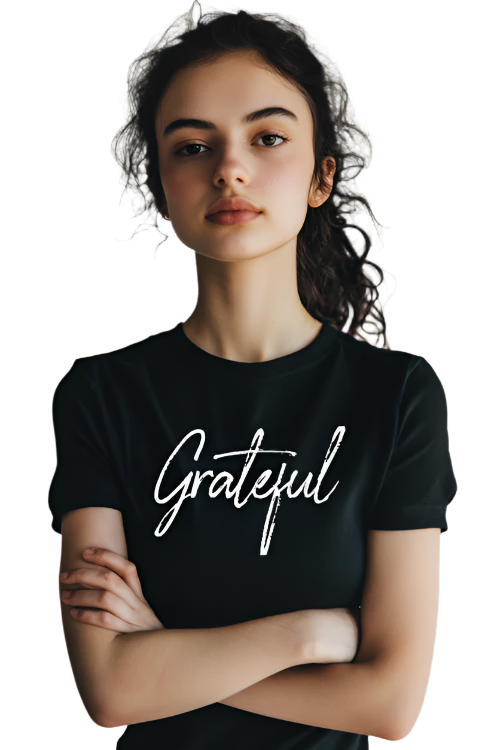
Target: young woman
255 477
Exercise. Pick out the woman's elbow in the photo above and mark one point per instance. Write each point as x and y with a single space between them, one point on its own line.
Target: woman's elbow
401 716
101 712
391 727
397 706
397 730
104 720
107 721
101 701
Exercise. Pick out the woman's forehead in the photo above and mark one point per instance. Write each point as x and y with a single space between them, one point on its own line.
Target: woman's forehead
239 82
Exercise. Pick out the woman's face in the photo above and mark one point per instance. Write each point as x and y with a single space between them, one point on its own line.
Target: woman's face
267 159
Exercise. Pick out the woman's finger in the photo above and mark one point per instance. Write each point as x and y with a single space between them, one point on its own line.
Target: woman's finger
103 600
102 619
98 577
110 587
126 569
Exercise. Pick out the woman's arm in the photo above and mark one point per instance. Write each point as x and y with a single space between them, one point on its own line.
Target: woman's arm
132 677
381 692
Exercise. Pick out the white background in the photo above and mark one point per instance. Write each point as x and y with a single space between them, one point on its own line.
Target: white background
421 77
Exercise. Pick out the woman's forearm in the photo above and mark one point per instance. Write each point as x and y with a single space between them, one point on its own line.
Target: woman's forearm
355 697
155 674
381 691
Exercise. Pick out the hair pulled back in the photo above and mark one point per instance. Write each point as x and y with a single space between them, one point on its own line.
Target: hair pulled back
331 278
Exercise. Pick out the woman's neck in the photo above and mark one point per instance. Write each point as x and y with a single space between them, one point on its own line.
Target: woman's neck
250 310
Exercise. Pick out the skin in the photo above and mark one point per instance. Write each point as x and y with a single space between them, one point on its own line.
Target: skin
248 307
298 666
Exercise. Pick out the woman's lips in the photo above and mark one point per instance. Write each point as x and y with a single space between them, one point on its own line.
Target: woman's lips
233 217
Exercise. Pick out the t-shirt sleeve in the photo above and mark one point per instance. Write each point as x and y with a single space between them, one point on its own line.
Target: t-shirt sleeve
84 475
419 481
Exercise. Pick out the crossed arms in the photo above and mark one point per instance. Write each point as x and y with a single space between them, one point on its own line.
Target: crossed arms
264 666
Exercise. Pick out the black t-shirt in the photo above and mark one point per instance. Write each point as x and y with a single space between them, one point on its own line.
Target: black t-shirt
248 489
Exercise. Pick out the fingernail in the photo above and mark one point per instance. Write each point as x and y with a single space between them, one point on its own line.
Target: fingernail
89 550
62 576
65 593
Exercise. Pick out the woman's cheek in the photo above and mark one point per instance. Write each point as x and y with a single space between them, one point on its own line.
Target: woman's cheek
179 191
292 193
290 180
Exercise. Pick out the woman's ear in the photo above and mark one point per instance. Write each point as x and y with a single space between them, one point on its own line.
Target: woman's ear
316 196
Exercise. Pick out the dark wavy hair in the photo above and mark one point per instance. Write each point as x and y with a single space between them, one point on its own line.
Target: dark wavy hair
331 278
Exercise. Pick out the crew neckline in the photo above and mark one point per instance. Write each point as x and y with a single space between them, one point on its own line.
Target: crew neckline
285 364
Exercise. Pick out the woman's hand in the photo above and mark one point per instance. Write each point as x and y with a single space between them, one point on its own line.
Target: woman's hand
336 635
108 594
329 635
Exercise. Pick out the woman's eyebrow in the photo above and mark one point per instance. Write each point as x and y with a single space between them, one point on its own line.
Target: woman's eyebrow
205 125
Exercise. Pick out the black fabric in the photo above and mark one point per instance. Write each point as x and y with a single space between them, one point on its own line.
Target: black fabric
351 438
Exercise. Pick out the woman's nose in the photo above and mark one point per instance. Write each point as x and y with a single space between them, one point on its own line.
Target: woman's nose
230 170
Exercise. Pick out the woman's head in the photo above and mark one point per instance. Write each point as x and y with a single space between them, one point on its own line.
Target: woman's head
221 69
253 140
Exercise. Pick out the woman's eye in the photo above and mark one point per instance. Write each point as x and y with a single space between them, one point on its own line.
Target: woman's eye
190 146
193 149
273 136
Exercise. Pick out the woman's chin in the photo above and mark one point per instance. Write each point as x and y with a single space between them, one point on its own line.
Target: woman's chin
232 251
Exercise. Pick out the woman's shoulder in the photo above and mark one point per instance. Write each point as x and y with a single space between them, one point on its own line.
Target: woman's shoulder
134 359
359 351
136 353
375 363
